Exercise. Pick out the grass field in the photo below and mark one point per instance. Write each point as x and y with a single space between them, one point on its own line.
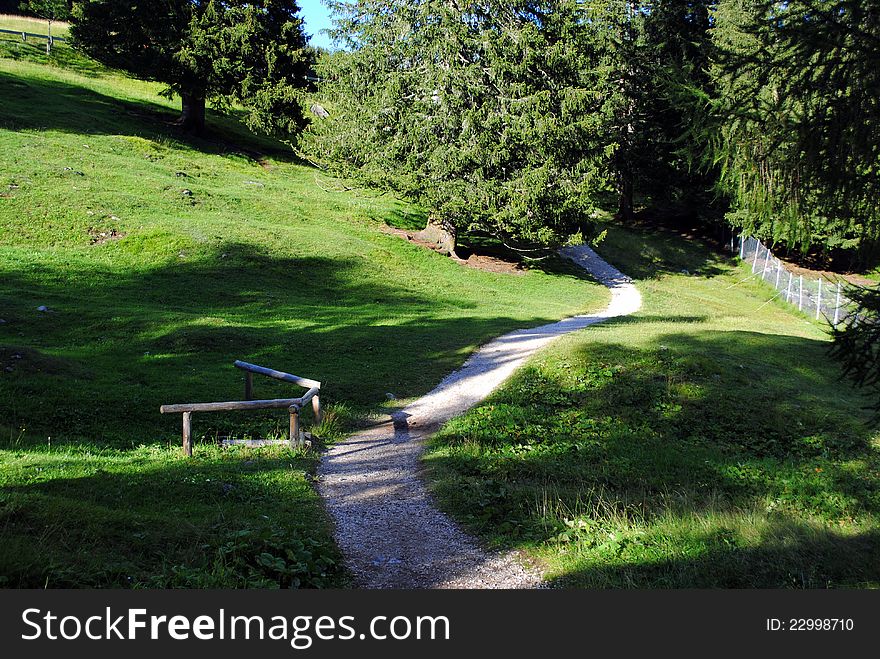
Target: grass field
162 259
706 441
33 25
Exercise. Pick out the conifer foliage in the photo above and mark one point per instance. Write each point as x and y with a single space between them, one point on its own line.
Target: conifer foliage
520 119
486 113
796 129
231 51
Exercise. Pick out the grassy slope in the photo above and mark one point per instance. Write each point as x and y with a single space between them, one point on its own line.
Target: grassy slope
33 25
274 264
706 441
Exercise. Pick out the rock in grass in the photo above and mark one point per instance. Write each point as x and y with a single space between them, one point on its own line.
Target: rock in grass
43 308
319 111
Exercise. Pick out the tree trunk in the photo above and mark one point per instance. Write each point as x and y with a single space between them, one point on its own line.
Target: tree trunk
192 114
625 187
440 234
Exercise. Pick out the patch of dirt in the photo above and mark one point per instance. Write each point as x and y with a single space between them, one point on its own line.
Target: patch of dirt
494 264
827 275
101 236
474 260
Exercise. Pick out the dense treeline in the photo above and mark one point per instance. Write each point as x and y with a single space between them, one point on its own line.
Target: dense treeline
794 122
528 119
525 118
522 119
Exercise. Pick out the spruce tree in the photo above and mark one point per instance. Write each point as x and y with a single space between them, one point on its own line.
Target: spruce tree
487 114
796 124
857 342
230 51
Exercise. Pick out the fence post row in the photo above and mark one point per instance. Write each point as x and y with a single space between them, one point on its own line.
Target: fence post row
839 301
837 306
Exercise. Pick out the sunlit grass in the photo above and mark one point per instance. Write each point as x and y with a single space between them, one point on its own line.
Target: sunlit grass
160 260
33 25
706 441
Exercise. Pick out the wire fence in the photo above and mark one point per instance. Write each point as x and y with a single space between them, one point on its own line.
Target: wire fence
815 296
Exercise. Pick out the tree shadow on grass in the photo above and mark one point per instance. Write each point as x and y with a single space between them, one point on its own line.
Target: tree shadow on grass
706 429
28 103
789 555
115 346
242 519
650 255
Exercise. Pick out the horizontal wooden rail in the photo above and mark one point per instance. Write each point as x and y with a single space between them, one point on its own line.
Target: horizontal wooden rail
270 404
311 393
278 375
19 33
293 405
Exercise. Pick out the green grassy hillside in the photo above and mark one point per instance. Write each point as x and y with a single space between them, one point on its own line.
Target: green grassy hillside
33 25
706 441
161 259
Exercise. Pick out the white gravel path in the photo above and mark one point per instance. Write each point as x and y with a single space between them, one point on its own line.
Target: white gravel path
386 524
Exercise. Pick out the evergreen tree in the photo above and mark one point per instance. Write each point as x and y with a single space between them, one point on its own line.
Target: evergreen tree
857 341
673 64
796 130
231 51
488 114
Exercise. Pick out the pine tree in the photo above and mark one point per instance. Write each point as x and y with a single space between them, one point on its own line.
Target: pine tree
857 341
796 128
487 114
234 51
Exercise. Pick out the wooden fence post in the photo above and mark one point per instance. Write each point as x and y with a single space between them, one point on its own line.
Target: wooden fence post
187 434
316 408
837 306
248 385
294 440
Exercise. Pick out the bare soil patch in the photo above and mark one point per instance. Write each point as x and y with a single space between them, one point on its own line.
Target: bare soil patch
476 260
100 236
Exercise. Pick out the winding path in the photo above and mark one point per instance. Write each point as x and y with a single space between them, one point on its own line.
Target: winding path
386 524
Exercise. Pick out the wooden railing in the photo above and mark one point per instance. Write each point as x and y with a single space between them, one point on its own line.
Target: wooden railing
293 405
